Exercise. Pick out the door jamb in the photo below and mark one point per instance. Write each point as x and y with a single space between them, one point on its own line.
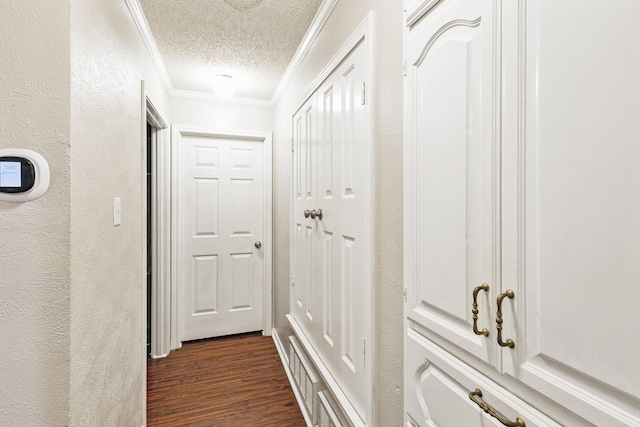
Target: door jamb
179 131
161 256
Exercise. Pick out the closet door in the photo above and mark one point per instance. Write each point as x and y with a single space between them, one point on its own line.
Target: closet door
452 148
304 263
344 231
572 203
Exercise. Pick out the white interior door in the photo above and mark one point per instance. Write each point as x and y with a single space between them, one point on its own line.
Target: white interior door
221 222
332 251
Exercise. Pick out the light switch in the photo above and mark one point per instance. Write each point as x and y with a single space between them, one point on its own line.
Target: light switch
117 211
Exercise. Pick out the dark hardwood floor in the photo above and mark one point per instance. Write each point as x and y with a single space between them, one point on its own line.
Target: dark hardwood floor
230 381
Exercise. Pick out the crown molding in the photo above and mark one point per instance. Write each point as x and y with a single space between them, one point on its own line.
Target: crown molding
149 41
321 17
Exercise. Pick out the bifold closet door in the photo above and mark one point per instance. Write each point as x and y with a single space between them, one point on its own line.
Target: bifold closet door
332 214
305 199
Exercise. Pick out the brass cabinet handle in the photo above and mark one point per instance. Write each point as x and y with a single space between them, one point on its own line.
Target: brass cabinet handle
307 213
519 422
474 311
313 214
509 343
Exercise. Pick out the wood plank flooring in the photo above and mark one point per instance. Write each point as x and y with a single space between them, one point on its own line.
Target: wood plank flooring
223 382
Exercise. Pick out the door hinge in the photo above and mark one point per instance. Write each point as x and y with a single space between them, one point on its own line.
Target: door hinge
292 145
364 349
405 294
404 68
364 94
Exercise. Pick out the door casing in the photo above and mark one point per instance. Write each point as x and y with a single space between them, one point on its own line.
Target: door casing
179 131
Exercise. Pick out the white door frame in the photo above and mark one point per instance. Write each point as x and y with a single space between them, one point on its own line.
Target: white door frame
161 232
161 263
178 132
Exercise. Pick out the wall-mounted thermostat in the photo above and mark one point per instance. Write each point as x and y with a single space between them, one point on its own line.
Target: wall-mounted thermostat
24 175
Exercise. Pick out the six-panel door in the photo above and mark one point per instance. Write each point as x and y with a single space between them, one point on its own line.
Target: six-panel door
221 219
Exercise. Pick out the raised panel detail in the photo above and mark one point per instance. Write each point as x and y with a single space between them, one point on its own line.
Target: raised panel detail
453 169
242 281
308 153
206 207
327 284
300 150
241 158
328 139
440 396
349 117
349 310
207 156
241 191
309 273
205 269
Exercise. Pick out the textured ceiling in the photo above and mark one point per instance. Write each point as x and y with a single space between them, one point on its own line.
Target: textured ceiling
251 40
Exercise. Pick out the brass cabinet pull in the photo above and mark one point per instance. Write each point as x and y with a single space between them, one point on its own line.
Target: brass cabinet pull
519 422
307 213
509 343
474 311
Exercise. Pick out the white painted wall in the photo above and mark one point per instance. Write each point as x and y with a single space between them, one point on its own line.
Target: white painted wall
387 122
221 115
34 236
108 61
70 283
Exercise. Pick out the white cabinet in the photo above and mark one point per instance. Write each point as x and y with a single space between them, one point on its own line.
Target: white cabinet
444 392
521 173
332 229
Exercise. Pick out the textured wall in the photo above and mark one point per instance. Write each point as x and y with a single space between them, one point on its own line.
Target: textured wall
34 259
387 140
220 115
108 60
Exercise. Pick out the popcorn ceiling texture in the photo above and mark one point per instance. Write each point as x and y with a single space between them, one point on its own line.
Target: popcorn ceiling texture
34 261
251 40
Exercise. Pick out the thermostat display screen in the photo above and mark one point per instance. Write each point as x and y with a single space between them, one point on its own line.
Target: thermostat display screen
17 174
10 174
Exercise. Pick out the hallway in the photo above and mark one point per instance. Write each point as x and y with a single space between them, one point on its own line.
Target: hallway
224 382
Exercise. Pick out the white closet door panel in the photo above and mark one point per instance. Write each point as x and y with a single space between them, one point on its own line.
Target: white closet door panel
452 228
305 245
344 175
574 219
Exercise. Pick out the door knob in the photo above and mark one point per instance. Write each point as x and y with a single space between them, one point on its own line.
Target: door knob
316 214
258 245
307 213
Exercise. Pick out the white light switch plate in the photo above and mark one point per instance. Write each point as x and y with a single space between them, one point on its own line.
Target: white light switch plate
117 211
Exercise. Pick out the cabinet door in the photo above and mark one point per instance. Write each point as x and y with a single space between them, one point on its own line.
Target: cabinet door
439 387
452 245
572 204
